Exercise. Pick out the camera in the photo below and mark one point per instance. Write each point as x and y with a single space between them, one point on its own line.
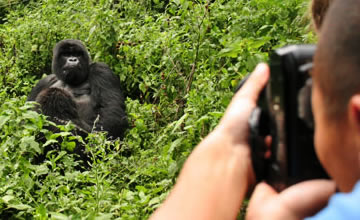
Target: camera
284 112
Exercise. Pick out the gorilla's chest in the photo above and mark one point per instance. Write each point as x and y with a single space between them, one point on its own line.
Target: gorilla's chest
81 94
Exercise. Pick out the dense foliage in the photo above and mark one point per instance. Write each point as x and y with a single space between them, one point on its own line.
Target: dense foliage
178 62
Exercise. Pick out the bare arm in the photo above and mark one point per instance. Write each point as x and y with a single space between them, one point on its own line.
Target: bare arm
218 173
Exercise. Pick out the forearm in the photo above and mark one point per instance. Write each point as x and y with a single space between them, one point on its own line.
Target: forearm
216 176
212 184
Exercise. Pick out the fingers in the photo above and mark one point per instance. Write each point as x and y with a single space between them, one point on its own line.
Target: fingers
307 198
297 202
268 141
255 83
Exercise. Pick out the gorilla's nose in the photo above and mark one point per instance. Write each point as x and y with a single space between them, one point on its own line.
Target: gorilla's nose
73 60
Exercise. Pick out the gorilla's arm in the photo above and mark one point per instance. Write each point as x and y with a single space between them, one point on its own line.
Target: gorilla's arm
41 85
55 102
105 90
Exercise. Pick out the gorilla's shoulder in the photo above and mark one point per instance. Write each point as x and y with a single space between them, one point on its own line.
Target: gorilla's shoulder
99 66
102 73
51 79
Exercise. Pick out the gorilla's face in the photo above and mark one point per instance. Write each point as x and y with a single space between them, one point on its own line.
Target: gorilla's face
71 62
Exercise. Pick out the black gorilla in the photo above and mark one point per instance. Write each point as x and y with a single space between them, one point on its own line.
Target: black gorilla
86 93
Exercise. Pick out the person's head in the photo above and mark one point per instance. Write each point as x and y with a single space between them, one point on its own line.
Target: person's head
336 93
318 10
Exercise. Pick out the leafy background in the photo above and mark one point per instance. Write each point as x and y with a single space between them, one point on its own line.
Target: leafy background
178 62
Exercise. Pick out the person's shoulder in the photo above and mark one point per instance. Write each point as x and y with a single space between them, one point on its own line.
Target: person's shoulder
341 206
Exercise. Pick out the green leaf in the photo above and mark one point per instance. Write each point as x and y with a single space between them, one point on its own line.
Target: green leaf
104 216
70 146
61 154
216 114
7 198
59 216
173 145
29 143
3 120
41 170
19 206
179 122
142 87
173 168
49 142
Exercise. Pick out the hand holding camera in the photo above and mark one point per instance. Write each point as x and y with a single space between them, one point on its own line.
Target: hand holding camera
284 112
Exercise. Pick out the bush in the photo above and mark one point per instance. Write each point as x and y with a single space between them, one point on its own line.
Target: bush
178 61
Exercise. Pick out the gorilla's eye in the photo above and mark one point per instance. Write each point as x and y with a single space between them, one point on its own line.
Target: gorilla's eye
66 54
72 54
77 54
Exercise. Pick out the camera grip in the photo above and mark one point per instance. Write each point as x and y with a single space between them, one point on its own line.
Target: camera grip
257 143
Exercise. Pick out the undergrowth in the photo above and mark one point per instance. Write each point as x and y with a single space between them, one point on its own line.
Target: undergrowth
178 62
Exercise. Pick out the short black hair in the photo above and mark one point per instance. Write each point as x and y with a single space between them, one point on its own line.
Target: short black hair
337 59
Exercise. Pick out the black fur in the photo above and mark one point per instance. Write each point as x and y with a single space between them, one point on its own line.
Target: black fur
81 91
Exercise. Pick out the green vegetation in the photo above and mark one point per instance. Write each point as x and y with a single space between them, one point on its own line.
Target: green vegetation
178 61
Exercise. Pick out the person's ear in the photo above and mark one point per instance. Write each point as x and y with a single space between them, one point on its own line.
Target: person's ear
354 112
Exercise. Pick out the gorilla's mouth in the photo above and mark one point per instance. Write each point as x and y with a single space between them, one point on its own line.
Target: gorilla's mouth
70 74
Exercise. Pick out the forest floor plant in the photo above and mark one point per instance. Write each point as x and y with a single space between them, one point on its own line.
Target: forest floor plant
178 61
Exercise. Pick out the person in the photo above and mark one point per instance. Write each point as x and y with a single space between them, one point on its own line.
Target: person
218 173
318 11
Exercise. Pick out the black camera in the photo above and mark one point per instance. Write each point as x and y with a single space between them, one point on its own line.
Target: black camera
284 112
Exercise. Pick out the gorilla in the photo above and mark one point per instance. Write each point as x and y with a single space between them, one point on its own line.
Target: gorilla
84 92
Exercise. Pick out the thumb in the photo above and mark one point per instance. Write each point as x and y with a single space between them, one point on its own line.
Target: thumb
255 83
245 99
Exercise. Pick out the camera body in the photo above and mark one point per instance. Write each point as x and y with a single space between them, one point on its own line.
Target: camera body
284 112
